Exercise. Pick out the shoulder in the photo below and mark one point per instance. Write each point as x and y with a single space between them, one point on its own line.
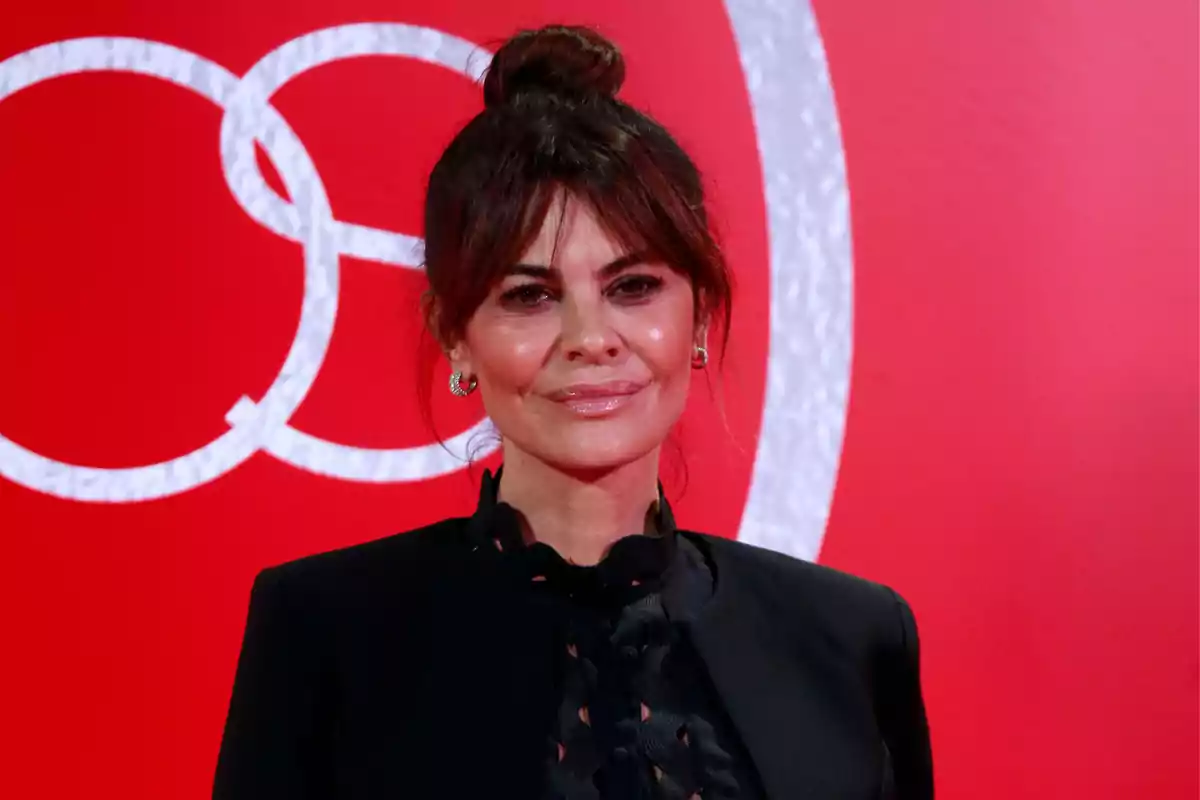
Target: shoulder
806 594
403 561
777 572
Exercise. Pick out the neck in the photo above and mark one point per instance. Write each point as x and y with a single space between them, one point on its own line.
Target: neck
580 514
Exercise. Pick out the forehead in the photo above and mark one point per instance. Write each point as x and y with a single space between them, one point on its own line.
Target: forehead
572 237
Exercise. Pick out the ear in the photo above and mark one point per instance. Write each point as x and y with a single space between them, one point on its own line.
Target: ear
700 333
457 352
460 360
702 319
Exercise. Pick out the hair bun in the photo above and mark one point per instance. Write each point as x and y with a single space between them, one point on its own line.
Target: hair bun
568 61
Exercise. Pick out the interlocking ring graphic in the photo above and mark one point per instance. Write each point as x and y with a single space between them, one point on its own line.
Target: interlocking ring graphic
307 219
807 376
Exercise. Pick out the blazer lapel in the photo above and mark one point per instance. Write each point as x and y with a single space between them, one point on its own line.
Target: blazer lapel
754 671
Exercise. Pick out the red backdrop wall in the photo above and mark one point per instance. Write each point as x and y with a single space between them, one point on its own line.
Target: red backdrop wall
1020 446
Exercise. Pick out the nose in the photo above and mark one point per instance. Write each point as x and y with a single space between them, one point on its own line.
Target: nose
587 334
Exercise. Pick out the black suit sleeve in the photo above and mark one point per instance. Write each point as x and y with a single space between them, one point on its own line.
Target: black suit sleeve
274 743
902 708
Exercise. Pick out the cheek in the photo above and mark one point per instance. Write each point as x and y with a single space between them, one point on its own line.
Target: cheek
666 341
666 348
507 357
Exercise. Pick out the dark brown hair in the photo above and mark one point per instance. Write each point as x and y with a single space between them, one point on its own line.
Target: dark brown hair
552 123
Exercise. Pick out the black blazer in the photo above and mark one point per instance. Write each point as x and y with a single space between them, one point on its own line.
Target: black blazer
395 669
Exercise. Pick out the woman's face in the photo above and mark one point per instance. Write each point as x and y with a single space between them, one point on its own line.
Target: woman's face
583 363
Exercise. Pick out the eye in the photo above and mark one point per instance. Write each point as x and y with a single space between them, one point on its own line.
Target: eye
635 287
527 295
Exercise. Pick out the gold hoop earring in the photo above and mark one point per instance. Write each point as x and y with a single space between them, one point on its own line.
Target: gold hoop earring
700 357
456 385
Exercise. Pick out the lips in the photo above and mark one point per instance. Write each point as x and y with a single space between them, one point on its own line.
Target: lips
597 399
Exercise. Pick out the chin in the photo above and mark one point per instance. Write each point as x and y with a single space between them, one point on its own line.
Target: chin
595 446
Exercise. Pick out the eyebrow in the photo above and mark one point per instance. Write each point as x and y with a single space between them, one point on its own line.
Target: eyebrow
607 271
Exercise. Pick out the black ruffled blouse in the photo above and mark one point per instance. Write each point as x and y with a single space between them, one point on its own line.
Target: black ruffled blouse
638 716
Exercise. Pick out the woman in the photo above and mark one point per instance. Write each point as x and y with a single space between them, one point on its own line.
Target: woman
567 641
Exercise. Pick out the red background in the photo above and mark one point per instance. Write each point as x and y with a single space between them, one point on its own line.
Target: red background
1021 449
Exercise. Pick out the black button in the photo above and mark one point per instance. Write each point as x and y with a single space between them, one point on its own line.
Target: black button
629 653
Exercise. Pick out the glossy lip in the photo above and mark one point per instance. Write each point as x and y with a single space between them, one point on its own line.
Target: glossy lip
597 399
585 391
